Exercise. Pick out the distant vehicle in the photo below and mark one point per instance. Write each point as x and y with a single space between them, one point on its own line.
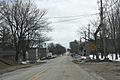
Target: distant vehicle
43 58
49 55
54 56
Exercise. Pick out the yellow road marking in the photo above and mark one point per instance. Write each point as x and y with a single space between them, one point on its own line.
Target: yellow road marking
34 77
37 75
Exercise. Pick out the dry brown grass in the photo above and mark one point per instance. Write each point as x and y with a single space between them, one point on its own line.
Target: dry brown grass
108 70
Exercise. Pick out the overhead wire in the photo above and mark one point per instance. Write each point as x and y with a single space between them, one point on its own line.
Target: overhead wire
73 18
66 20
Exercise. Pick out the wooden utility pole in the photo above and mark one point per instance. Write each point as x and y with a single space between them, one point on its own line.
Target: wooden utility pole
86 46
85 35
101 20
100 27
101 11
103 27
88 31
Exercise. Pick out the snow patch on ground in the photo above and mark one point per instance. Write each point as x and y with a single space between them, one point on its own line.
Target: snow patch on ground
109 56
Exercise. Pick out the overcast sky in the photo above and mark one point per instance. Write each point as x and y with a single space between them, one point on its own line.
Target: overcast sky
66 31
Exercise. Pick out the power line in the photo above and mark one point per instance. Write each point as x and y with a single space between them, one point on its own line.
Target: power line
66 20
73 19
74 16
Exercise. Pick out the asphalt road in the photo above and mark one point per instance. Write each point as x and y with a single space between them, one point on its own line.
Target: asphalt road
61 68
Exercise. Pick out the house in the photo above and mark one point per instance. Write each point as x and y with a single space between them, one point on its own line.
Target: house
74 46
89 47
85 48
8 54
36 53
43 52
32 54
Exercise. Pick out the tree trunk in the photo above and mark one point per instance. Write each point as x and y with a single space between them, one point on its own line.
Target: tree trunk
116 56
112 56
102 56
24 56
97 56
93 56
17 52
17 55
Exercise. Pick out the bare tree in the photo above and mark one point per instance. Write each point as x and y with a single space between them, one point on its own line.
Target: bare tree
23 19
113 18
5 37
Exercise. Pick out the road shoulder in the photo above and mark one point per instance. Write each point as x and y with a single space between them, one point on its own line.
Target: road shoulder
20 66
107 70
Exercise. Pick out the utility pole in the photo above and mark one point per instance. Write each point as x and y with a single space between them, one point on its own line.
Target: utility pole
80 46
86 46
85 35
101 12
88 51
103 27
80 41
88 31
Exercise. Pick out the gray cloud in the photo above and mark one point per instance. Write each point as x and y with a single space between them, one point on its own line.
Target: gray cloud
64 32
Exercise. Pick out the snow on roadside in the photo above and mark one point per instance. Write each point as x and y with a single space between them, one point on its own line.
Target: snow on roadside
109 56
